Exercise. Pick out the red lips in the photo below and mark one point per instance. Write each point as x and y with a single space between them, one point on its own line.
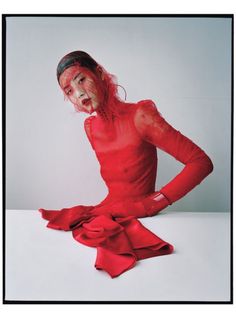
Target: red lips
86 101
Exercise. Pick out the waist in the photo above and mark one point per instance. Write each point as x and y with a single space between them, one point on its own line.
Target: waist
118 191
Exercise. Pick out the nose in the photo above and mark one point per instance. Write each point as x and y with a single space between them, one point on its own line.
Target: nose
79 93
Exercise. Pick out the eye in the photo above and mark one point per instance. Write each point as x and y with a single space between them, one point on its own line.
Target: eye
81 80
68 92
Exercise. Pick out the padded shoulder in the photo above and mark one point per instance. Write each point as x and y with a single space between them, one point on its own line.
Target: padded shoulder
147 118
87 128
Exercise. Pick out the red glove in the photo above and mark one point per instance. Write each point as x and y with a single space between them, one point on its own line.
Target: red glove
155 203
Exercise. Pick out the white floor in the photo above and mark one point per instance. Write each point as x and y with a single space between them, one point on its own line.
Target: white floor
49 265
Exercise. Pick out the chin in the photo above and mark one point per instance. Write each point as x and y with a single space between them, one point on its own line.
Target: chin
95 107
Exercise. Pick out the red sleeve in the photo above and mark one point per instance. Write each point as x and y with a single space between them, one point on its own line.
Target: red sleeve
156 130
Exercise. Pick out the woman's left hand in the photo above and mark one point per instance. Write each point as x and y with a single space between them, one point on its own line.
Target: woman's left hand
155 203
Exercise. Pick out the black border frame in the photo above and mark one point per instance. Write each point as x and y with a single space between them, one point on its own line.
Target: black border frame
4 16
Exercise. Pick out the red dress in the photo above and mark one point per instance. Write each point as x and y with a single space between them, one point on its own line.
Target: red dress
126 151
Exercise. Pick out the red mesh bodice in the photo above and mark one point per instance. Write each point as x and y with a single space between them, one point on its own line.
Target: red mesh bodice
126 151
128 163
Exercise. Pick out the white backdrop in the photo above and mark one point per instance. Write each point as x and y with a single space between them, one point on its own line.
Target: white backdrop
183 64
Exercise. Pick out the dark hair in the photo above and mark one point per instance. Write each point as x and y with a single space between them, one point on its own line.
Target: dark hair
73 58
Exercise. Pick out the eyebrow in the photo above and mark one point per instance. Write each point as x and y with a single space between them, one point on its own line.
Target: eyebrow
74 78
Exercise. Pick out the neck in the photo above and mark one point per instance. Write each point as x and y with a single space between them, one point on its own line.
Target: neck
104 114
108 112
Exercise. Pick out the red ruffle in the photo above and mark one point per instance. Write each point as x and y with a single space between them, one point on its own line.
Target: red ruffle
120 242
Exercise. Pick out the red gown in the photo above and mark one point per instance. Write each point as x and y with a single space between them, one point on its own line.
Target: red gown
126 151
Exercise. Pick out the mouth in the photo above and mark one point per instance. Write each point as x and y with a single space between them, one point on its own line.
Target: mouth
86 101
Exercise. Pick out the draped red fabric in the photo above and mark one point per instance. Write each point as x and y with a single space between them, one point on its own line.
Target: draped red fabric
127 154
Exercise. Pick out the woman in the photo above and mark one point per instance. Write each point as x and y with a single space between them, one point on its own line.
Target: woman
124 137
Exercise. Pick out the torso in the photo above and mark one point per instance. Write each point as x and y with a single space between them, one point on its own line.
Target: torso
128 163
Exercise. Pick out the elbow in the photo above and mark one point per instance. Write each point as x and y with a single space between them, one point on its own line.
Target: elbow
211 166
205 164
208 165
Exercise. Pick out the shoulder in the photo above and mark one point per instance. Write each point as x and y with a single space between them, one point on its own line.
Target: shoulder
145 114
145 108
87 127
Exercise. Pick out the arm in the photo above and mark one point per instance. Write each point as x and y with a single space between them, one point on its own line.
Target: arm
153 128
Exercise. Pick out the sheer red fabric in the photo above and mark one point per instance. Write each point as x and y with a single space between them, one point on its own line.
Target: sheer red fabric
127 152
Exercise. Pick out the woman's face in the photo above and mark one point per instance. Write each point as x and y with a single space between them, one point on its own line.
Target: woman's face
81 87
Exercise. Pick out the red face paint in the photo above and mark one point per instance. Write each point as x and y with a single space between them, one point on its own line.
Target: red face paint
82 88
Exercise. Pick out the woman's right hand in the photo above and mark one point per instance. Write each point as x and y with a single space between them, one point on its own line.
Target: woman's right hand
148 206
